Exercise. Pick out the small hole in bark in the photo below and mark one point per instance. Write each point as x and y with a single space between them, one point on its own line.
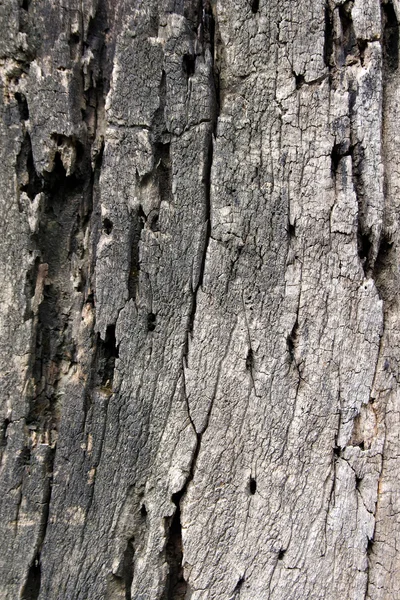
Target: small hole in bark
151 322
25 457
364 248
299 81
361 446
281 554
337 450
143 511
337 153
22 106
75 38
291 230
25 4
25 164
252 486
255 5
107 353
358 482
90 299
189 64
362 46
107 226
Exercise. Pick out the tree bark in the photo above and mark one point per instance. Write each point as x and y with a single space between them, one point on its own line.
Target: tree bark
199 324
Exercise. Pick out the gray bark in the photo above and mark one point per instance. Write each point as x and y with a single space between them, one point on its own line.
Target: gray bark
199 324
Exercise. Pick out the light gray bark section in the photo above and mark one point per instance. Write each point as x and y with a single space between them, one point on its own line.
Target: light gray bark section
199 303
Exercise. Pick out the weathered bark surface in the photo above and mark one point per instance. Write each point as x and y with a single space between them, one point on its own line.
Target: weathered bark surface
199 333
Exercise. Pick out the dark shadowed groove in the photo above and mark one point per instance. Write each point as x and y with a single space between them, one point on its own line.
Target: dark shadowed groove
328 35
364 234
31 587
28 179
162 160
138 222
238 587
348 45
291 341
255 6
176 584
390 42
128 567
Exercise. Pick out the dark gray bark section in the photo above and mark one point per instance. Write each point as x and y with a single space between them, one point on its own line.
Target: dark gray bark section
199 314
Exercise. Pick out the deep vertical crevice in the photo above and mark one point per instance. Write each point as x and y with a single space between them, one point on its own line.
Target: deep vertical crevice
348 45
176 585
211 39
390 42
364 235
189 64
328 36
31 587
28 179
128 568
138 222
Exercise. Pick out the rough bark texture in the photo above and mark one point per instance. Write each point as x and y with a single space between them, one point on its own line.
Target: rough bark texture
200 333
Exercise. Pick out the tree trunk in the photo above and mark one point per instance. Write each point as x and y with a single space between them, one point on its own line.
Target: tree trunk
200 334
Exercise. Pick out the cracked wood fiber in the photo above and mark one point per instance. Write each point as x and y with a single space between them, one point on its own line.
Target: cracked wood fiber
199 300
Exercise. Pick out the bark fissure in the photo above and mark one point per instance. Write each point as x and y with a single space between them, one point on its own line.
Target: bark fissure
176 584
390 41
